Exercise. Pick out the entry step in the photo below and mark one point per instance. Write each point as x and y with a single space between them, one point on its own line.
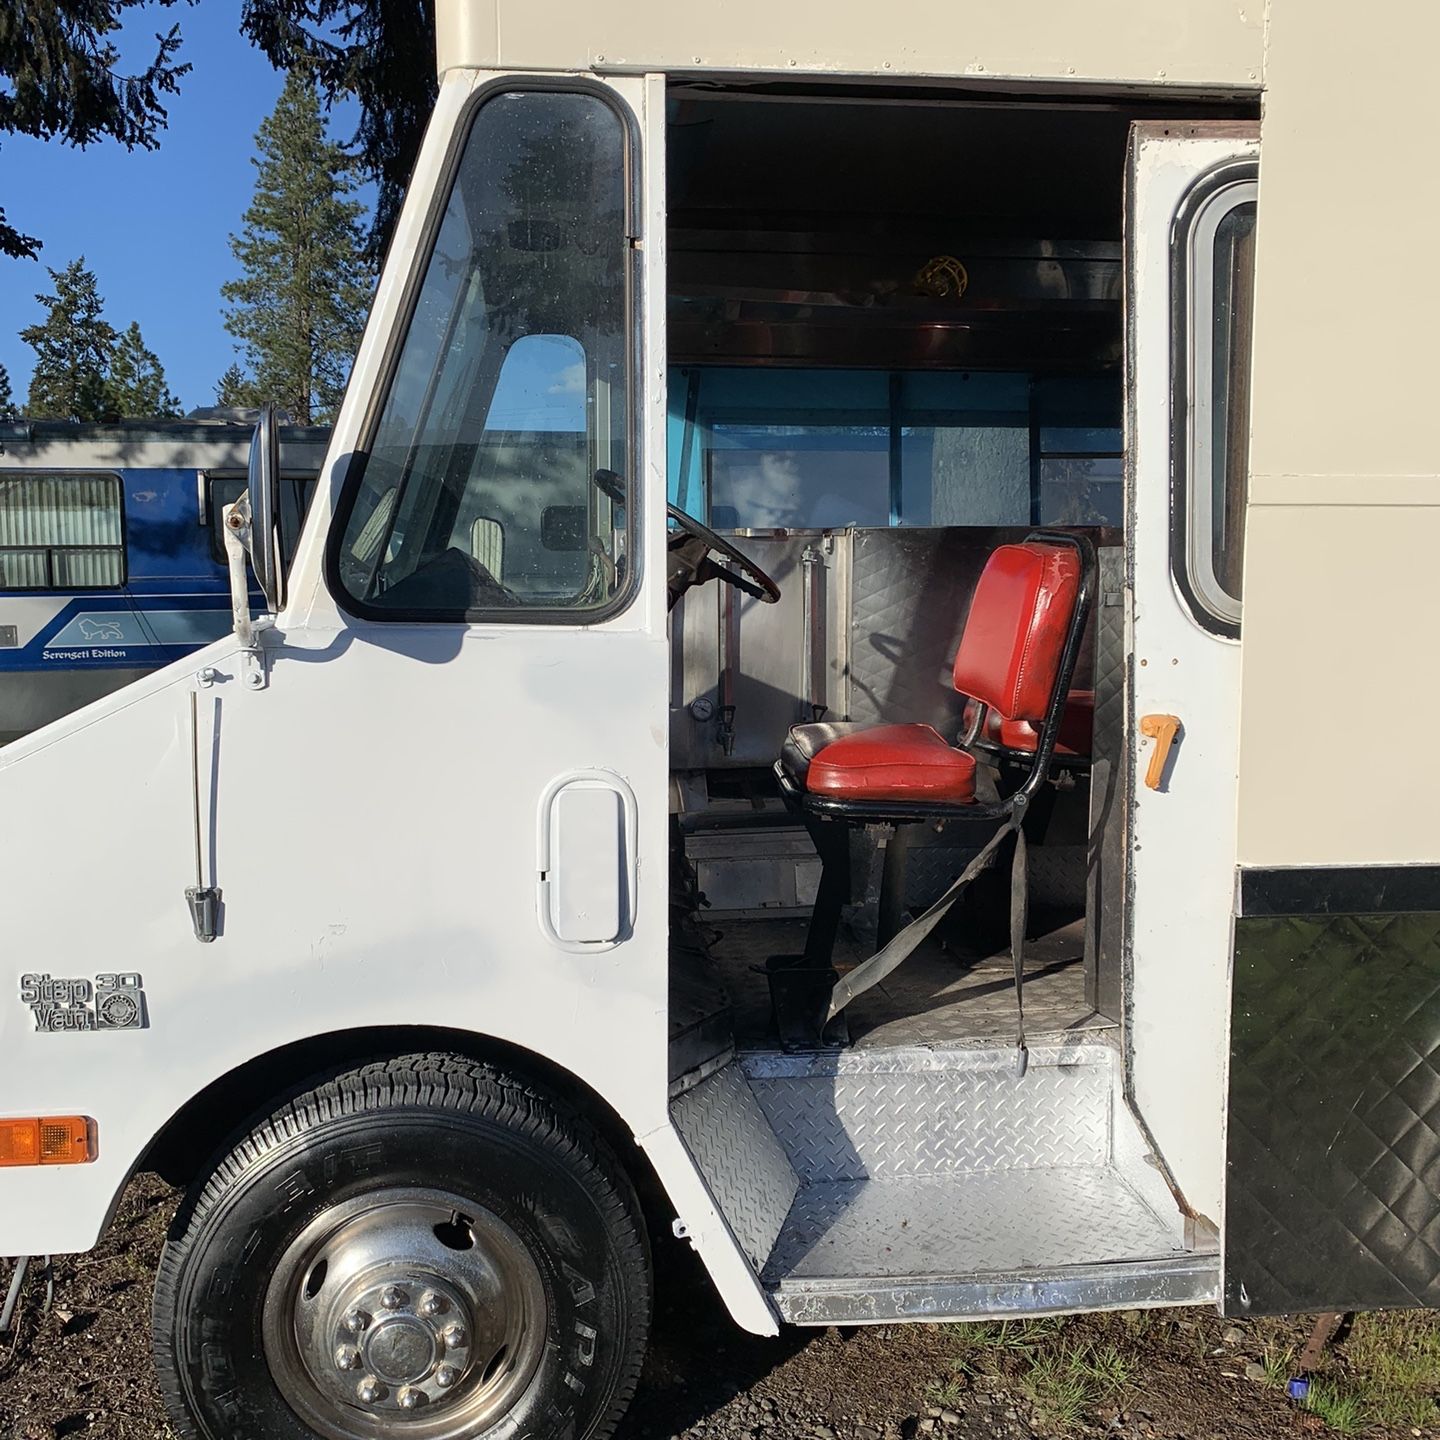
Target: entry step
878 1184
999 1220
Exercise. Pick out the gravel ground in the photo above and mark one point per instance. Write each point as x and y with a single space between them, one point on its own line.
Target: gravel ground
83 1367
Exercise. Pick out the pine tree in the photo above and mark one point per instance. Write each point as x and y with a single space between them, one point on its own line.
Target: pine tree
7 397
381 54
135 385
73 346
299 304
236 390
62 77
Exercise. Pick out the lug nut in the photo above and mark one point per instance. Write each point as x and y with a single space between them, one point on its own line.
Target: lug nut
408 1399
370 1390
392 1297
453 1336
355 1321
431 1304
347 1357
446 1376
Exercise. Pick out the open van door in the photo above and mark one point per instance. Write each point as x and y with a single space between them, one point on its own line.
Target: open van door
1190 219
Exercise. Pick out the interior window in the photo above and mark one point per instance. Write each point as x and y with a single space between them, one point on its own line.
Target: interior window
825 449
497 480
61 532
1215 271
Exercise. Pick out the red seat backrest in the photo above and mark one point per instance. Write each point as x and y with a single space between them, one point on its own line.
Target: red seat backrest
1015 632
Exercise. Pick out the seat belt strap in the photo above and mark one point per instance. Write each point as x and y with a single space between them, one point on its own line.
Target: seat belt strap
869 974
1019 920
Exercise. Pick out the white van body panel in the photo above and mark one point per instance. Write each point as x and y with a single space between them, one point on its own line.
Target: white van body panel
426 751
1212 43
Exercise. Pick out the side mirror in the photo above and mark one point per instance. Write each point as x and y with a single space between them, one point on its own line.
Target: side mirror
264 496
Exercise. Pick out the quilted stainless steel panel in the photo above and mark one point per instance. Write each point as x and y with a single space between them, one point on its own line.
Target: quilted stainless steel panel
1004 1220
1333 1197
748 1175
926 1114
910 590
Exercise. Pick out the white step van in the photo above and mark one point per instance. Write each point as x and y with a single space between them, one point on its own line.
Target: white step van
806 713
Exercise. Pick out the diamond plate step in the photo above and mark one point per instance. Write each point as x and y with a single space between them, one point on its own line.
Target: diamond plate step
922 1113
998 1221
872 1184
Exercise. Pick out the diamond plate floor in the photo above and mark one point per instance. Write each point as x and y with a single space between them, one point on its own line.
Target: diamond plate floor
935 998
995 1221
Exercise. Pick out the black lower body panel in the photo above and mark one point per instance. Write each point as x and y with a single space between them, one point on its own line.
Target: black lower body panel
1333 1151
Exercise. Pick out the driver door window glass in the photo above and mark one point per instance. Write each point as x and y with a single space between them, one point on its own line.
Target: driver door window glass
510 391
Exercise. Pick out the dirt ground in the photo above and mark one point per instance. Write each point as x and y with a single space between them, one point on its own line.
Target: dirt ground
82 1368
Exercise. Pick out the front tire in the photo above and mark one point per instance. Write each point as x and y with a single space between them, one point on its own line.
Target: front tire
420 1248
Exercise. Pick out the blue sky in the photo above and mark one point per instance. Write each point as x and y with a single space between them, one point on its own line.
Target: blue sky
154 226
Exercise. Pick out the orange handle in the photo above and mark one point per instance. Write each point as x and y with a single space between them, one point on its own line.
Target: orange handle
1162 729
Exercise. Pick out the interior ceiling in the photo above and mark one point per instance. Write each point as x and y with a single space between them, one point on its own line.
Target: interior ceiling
920 230
991 170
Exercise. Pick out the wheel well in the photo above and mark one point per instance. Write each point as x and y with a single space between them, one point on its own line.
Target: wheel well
211 1121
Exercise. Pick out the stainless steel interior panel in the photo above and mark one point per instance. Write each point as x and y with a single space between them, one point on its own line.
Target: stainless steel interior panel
755 873
773 663
1109 788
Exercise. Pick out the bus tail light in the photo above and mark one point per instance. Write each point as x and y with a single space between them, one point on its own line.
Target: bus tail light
47 1140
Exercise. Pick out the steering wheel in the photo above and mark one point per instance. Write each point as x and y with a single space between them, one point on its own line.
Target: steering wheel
692 562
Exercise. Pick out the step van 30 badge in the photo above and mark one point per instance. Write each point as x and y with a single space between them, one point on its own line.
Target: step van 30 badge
109 1002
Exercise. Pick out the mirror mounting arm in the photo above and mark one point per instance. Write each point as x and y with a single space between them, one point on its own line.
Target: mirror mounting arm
237 528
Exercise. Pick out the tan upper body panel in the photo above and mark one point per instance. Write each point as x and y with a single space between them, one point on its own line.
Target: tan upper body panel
1343 528
1215 44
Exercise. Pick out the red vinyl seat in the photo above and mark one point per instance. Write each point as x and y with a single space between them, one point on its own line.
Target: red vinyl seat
879 762
1009 660
1077 725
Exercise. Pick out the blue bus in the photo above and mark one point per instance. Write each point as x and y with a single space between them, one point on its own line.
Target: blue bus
111 558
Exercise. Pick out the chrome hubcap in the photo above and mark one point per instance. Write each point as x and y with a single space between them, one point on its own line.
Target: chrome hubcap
409 1309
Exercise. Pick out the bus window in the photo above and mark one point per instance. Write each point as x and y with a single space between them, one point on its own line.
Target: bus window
61 532
1214 268
296 493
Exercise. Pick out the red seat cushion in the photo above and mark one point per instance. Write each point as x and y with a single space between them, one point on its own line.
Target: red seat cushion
1077 724
1015 630
891 762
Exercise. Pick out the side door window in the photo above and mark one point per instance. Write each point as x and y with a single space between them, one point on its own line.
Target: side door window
1213 282
497 482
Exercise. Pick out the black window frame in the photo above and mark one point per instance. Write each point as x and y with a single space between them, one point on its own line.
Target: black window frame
50 587
634 530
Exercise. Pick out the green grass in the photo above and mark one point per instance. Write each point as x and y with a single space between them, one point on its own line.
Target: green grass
1391 1366
1065 1382
947 1394
1386 1374
1279 1365
986 1345
1061 1378
1343 1412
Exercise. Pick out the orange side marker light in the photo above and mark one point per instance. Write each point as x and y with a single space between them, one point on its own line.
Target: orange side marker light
47 1140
